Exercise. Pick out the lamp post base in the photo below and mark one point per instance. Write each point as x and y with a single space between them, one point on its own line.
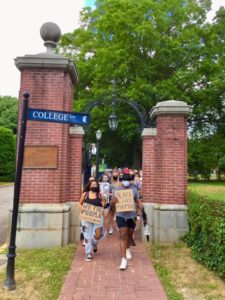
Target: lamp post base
9 285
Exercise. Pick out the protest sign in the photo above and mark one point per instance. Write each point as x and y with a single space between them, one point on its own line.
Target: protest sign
104 189
126 200
91 213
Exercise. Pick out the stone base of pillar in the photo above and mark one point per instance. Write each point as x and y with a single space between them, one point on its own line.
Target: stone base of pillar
74 222
168 222
43 225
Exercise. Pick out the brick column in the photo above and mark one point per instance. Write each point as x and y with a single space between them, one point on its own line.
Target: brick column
52 90
165 171
75 167
171 151
44 213
148 165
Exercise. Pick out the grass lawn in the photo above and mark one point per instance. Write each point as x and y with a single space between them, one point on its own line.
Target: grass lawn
6 183
39 273
182 277
212 189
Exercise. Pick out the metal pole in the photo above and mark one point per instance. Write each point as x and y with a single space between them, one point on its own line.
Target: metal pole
10 283
97 160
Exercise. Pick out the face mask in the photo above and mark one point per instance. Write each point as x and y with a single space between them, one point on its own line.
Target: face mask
105 179
94 189
115 177
126 183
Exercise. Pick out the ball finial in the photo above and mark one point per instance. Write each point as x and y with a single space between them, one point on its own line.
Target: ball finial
50 33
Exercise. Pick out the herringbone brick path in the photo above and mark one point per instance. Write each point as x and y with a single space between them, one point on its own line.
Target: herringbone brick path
101 279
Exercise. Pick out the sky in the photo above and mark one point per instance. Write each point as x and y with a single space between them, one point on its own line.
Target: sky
20 23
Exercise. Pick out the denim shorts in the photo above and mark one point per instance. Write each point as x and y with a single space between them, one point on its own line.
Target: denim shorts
123 222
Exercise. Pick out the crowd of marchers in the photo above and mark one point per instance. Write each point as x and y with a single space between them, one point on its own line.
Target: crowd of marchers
103 192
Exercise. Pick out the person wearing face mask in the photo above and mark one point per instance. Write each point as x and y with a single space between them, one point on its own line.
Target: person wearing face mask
104 188
126 221
92 232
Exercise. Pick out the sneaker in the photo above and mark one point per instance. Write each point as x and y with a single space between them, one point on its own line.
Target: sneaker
88 257
111 231
123 264
128 254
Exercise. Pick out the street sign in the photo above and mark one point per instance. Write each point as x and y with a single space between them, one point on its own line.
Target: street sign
58 116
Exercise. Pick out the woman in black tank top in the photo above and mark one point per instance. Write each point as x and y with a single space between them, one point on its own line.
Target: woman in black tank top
97 201
92 232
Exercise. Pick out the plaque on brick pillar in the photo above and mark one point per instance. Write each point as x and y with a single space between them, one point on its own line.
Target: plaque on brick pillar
40 157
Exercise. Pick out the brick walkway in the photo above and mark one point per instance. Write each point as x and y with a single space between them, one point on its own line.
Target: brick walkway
101 279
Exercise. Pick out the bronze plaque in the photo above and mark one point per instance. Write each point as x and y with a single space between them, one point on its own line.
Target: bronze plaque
44 157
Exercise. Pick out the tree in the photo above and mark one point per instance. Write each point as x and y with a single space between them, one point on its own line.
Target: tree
9 112
7 154
204 155
222 163
155 50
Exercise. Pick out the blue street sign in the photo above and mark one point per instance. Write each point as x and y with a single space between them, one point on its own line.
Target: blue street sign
58 116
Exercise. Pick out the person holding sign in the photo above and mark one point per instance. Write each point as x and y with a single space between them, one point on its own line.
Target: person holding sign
126 200
91 206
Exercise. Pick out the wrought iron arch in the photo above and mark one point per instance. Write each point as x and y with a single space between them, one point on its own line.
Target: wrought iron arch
137 107
140 113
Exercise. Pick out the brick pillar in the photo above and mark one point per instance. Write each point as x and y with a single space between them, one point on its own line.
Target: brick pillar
50 89
45 213
165 171
75 167
171 151
148 164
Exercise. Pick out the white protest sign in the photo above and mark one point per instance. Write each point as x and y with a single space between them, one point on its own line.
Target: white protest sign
125 200
91 213
104 188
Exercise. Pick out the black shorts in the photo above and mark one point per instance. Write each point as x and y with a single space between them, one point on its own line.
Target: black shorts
122 222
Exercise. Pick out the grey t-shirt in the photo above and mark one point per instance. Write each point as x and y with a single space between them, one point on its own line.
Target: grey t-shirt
127 214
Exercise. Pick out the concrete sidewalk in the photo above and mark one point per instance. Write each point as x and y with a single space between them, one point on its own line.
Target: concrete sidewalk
101 279
6 203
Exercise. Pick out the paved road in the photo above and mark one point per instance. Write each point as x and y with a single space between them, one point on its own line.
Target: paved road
6 202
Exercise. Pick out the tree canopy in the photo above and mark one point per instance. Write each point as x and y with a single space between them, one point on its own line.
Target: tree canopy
155 50
8 112
7 154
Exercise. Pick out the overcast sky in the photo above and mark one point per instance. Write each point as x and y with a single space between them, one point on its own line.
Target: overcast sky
20 23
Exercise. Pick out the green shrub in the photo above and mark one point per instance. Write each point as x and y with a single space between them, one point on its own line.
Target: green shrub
7 154
206 236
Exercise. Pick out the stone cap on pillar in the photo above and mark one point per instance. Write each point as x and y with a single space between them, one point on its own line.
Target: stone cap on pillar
50 33
149 132
170 107
76 130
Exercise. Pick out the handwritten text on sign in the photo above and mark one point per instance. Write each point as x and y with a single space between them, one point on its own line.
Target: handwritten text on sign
91 213
126 200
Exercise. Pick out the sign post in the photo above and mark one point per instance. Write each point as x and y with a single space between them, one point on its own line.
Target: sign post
10 283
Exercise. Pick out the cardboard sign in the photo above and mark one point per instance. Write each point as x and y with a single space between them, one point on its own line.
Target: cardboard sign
126 200
91 213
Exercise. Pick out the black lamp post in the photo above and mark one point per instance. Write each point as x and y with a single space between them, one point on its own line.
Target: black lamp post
113 121
98 137
10 283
